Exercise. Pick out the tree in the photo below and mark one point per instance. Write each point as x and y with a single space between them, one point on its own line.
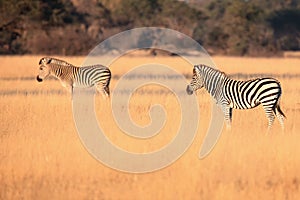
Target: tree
286 28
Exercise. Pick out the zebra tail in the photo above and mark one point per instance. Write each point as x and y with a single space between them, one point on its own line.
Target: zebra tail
278 104
279 110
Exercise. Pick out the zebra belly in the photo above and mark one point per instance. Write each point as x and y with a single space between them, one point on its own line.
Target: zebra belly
82 85
240 102
236 106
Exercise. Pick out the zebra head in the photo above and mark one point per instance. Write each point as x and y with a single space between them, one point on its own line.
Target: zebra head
197 80
44 70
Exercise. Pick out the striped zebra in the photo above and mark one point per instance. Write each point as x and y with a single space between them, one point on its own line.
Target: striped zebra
72 76
237 94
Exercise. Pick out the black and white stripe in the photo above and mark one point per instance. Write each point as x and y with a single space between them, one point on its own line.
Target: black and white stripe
72 76
237 94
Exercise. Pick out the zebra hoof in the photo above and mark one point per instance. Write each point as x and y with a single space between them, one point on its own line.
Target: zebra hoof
39 79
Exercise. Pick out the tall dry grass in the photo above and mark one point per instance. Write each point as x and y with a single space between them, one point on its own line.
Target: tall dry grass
42 157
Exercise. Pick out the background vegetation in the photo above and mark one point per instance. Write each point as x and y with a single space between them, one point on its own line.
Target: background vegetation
232 27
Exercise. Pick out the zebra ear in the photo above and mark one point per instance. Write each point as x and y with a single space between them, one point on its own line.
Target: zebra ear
49 61
40 61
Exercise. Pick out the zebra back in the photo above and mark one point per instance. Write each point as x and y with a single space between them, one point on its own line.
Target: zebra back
54 61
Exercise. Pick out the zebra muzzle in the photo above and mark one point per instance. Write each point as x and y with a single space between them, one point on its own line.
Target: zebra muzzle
189 90
39 79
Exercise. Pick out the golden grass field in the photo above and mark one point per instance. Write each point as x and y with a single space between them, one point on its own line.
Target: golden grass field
42 157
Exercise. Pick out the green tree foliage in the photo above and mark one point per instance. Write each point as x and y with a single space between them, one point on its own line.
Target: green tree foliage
165 13
251 27
13 20
58 13
137 12
234 27
286 26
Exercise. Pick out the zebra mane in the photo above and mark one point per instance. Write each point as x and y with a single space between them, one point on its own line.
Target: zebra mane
56 61
214 69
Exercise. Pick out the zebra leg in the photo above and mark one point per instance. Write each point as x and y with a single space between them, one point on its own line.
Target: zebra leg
228 115
70 89
280 118
106 91
103 89
106 87
270 115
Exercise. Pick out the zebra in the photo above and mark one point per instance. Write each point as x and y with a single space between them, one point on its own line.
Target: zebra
72 76
230 93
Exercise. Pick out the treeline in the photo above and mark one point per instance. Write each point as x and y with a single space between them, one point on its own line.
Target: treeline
231 27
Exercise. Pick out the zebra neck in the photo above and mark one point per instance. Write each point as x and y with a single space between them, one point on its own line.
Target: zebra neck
212 83
58 71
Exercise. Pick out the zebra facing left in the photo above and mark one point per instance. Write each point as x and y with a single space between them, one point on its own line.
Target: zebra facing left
230 93
72 76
